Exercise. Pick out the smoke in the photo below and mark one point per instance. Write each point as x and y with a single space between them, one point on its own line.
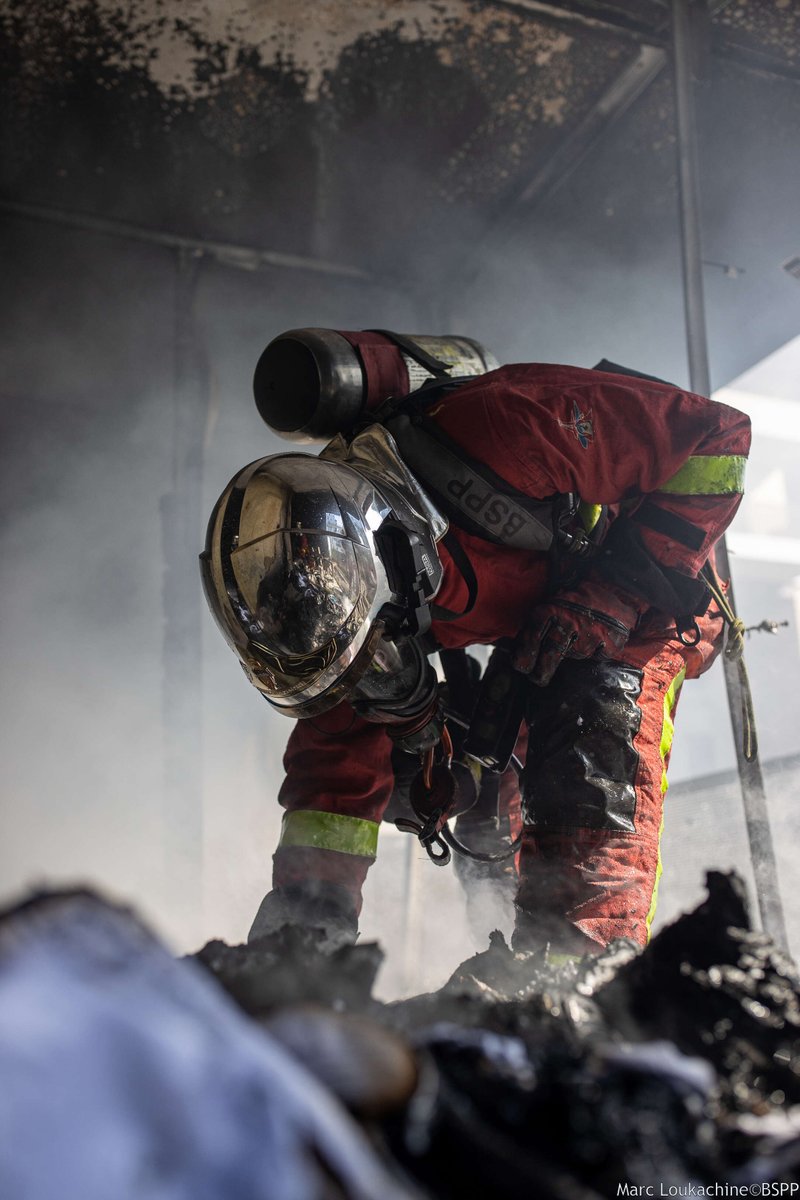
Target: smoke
423 916
244 125
705 824
89 453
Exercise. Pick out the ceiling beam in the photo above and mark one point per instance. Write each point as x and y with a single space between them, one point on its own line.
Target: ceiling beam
229 254
617 98
633 81
595 18
752 58
606 20
554 170
571 152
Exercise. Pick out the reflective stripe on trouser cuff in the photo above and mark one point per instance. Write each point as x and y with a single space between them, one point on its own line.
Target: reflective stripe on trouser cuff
330 831
708 475
667 732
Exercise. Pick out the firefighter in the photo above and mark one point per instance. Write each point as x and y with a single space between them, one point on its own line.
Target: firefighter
333 579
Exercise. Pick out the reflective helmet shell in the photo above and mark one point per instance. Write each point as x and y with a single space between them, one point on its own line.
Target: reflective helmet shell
293 577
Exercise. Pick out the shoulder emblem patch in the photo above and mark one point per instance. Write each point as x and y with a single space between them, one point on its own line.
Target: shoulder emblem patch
581 425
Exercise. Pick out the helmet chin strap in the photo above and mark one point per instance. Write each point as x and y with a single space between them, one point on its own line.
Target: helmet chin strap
412 576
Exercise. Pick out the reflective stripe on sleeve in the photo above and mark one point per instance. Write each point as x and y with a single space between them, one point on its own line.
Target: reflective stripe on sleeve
667 733
708 475
330 831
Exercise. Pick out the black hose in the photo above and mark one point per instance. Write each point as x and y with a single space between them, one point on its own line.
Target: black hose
459 847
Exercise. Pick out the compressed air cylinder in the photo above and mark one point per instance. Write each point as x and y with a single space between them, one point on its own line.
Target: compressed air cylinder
311 384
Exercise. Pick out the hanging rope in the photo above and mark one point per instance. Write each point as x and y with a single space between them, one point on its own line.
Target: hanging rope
734 652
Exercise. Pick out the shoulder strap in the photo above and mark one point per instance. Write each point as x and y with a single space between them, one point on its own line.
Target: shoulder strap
470 492
612 368
414 402
466 570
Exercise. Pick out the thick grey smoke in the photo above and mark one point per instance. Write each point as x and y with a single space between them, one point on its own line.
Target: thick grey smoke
325 150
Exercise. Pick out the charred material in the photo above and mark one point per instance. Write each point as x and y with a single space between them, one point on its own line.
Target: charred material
676 1066
290 968
672 1069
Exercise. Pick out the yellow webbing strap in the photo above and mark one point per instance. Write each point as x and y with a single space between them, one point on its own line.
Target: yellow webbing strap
667 733
708 475
330 831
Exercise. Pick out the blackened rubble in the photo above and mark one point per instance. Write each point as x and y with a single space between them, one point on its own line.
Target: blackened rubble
677 1066
675 1070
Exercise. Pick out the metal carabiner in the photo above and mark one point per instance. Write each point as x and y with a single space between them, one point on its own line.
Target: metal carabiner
443 857
692 630
427 839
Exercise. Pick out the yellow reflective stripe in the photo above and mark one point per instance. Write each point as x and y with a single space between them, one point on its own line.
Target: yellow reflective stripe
562 960
589 514
708 475
668 727
659 873
667 732
330 831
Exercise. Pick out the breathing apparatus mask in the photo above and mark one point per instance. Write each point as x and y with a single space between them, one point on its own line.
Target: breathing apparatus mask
320 572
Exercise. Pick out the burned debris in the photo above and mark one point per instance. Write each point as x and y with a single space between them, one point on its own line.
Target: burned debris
676 1069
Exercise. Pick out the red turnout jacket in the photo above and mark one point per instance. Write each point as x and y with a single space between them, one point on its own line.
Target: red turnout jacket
667 462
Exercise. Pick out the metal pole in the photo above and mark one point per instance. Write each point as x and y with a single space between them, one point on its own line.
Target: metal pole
754 798
181 529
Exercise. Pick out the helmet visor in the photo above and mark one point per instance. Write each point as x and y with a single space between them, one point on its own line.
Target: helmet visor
302 587
304 601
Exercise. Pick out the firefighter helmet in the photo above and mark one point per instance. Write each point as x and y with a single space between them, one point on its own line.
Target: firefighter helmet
308 565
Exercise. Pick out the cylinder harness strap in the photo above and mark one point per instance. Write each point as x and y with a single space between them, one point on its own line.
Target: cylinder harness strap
734 652
436 366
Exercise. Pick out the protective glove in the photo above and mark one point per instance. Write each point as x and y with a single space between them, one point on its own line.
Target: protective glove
323 910
594 619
